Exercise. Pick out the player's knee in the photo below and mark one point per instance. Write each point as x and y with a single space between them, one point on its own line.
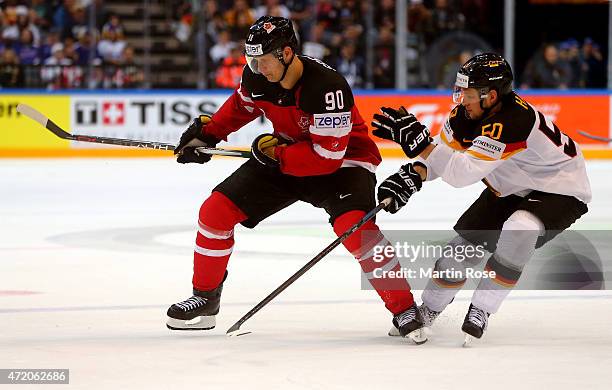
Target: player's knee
345 221
220 212
468 253
524 222
367 234
518 239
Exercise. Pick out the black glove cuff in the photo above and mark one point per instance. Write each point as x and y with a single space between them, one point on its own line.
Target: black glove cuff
411 178
265 160
208 139
190 154
417 149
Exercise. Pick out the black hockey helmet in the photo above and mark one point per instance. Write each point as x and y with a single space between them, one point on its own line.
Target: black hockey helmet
484 72
269 34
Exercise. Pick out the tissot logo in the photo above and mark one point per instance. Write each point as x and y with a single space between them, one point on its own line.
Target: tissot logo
135 112
86 113
113 113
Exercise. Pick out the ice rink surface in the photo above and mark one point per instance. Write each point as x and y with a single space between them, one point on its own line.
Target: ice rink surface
92 252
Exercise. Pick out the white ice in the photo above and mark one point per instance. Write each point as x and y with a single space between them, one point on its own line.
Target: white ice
92 252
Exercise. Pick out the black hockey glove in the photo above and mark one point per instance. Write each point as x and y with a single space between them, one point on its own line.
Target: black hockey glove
403 128
400 187
262 150
192 138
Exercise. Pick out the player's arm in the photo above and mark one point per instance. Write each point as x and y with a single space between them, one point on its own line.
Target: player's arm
238 110
461 166
423 169
330 129
453 166
463 169
458 168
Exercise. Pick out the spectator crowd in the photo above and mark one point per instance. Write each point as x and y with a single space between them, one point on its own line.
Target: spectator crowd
52 42
335 31
568 64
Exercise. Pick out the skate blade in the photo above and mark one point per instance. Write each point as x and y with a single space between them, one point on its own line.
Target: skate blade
198 323
394 332
467 342
417 336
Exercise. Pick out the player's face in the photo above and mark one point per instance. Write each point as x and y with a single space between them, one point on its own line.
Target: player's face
267 65
470 99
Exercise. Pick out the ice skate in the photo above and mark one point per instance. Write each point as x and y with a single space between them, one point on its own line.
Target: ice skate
409 324
197 312
428 316
475 324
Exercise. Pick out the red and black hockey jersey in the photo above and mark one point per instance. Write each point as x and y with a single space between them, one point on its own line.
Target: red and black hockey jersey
318 116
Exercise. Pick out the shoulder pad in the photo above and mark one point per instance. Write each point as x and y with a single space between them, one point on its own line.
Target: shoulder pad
323 89
459 130
513 123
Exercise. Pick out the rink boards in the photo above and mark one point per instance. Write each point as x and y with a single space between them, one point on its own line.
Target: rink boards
163 115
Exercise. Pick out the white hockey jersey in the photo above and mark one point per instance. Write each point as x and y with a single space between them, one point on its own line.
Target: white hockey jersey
513 151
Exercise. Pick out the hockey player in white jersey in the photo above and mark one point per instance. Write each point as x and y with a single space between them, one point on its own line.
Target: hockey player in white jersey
535 175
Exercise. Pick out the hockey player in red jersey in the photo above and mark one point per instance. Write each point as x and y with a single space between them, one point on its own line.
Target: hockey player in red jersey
535 175
319 152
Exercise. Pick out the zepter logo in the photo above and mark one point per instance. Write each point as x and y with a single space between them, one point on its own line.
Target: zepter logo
462 80
253 50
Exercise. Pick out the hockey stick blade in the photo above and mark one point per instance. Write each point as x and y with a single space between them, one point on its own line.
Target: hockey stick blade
594 137
234 330
37 116
44 121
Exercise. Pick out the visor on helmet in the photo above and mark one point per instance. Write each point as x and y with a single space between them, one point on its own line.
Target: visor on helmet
259 63
253 64
251 53
462 86
472 95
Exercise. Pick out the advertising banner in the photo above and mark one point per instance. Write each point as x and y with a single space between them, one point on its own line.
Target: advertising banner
589 113
150 117
18 132
162 116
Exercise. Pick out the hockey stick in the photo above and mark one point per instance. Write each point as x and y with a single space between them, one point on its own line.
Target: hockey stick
61 133
234 330
595 137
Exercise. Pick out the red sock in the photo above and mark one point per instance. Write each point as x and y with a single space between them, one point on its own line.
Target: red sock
215 240
395 292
